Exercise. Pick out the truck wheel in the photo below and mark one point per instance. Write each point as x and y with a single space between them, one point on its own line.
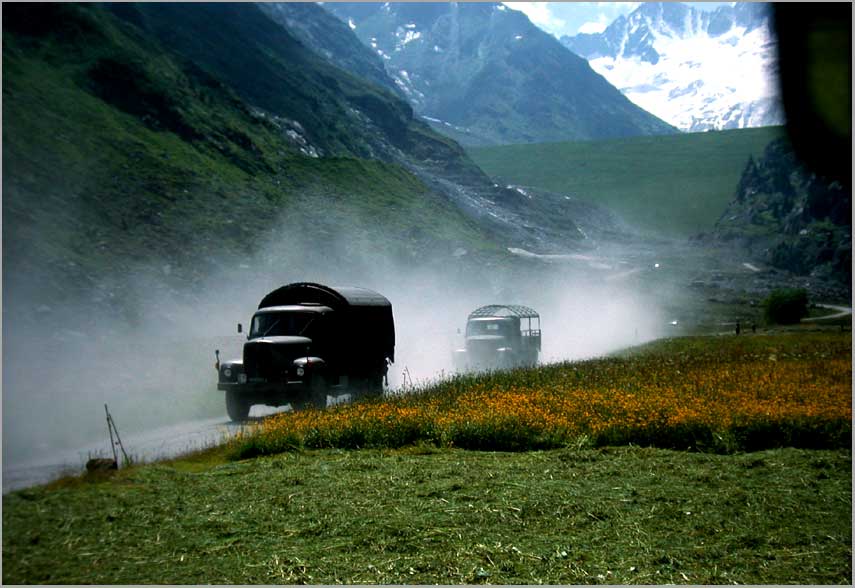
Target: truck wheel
237 406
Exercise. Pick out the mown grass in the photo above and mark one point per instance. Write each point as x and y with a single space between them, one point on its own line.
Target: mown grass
624 515
720 394
654 183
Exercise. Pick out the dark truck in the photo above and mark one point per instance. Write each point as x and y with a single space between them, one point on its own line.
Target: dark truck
500 336
307 340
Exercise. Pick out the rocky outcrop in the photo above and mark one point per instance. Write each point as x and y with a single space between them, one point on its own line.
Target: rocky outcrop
790 217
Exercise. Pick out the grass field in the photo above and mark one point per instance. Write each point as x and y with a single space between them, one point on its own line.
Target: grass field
597 503
675 185
622 515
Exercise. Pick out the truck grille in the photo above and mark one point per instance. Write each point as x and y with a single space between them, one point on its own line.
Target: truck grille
268 361
483 349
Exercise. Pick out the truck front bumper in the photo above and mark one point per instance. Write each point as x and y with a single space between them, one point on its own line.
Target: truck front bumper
262 388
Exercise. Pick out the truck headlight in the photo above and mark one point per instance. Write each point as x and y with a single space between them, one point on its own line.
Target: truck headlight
300 371
227 372
241 378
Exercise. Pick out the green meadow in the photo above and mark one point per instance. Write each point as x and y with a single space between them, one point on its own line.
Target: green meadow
675 185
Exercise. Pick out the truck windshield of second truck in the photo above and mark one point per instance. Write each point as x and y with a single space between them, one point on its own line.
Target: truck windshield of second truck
503 328
280 324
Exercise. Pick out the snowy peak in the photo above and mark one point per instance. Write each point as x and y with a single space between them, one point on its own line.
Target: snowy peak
694 69
482 73
636 35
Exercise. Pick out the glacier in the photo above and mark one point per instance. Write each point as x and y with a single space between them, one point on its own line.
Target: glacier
698 71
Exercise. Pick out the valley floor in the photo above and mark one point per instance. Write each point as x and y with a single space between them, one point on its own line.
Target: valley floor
422 513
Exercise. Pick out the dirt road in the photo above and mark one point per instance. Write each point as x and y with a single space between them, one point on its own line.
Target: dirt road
841 311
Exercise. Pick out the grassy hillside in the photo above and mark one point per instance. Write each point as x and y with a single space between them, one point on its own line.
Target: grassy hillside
621 513
676 185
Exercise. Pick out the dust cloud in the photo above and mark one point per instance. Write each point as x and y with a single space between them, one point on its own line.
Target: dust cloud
152 362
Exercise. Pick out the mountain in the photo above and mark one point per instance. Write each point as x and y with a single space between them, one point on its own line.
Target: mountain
167 140
485 75
790 217
341 113
329 37
162 144
698 70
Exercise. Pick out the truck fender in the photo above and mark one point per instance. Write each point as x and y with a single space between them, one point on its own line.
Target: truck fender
229 370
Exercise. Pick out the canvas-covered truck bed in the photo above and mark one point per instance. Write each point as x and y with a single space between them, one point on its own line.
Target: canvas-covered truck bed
365 316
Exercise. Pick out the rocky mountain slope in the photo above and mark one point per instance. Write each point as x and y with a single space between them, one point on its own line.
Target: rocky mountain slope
790 218
698 70
485 75
330 38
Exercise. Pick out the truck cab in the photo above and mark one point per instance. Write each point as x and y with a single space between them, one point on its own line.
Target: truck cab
499 337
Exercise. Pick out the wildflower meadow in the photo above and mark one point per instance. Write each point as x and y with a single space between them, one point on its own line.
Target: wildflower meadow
719 394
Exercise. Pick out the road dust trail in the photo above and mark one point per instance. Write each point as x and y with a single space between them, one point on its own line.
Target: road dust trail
161 443
155 444
161 369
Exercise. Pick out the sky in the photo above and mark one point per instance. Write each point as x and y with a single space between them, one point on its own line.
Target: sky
570 18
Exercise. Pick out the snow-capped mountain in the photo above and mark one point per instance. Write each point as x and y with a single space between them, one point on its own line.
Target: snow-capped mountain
483 74
695 69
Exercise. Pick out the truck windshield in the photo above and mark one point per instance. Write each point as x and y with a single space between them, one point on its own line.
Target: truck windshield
502 328
281 324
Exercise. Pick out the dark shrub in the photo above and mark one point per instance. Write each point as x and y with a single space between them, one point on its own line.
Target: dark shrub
786 306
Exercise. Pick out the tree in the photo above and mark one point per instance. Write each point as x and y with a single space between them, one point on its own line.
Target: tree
786 306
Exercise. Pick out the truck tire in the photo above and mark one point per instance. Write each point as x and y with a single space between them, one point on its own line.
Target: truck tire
237 406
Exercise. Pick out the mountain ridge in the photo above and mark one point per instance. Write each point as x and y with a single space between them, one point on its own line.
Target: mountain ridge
121 157
483 74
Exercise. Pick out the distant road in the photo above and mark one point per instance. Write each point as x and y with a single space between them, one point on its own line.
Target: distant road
161 443
842 311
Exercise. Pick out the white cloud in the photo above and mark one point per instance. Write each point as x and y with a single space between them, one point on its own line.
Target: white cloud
540 14
618 7
597 26
566 18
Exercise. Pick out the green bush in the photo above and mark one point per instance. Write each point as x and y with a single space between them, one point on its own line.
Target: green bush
786 306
